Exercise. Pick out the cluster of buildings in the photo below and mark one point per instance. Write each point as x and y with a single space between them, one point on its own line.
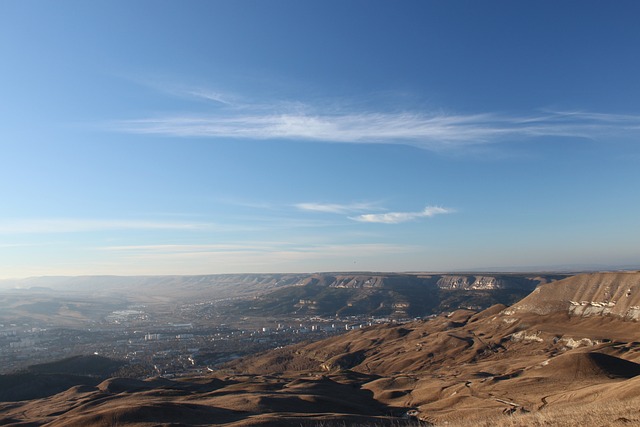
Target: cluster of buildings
161 346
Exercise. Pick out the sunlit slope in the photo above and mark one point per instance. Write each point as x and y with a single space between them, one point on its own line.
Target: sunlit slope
500 360
499 366
596 294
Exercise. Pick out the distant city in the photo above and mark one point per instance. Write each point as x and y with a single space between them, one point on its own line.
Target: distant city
181 325
157 347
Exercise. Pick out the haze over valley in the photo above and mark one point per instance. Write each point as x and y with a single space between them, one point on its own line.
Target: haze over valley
202 320
477 349
319 213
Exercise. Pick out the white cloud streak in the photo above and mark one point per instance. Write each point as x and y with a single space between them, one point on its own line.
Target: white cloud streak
211 96
398 217
85 225
192 248
260 254
429 131
334 207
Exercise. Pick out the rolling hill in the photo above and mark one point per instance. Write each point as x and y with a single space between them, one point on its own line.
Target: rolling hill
538 362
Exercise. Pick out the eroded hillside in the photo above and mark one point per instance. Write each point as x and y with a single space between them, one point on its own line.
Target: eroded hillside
468 364
503 364
77 300
395 295
595 294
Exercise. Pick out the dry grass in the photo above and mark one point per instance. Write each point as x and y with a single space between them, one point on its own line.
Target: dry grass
391 423
598 414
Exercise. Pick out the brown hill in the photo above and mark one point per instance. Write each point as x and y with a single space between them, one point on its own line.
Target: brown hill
468 365
596 294
578 365
535 359
47 379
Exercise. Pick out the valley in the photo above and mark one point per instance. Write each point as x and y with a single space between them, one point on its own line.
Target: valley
180 324
529 362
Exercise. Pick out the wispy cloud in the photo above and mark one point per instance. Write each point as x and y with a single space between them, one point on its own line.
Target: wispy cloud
20 245
85 225
295 121
398 217
210 95
191 248
263 253
384 217
335 207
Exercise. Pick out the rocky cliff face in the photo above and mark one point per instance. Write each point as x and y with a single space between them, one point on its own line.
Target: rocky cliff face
502 366
357 281
469 366
470 282
399 295
596 294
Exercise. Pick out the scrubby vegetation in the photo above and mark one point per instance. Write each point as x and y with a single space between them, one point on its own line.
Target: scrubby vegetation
601 414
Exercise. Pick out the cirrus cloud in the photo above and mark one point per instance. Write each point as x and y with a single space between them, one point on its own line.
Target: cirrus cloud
335 208
427 130
398 217
78 225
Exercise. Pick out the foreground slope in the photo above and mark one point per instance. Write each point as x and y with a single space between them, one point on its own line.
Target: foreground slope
535 355
539 361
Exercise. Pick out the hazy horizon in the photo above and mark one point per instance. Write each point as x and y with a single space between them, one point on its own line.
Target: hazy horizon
178 138
559 269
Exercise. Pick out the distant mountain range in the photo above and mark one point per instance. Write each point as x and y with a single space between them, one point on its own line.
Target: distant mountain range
324 294
396 295
566 355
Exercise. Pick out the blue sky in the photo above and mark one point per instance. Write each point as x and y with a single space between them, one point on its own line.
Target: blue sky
171 137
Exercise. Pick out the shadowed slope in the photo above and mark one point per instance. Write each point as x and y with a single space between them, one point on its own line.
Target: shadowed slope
588 364
499 360
50 378
459 367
